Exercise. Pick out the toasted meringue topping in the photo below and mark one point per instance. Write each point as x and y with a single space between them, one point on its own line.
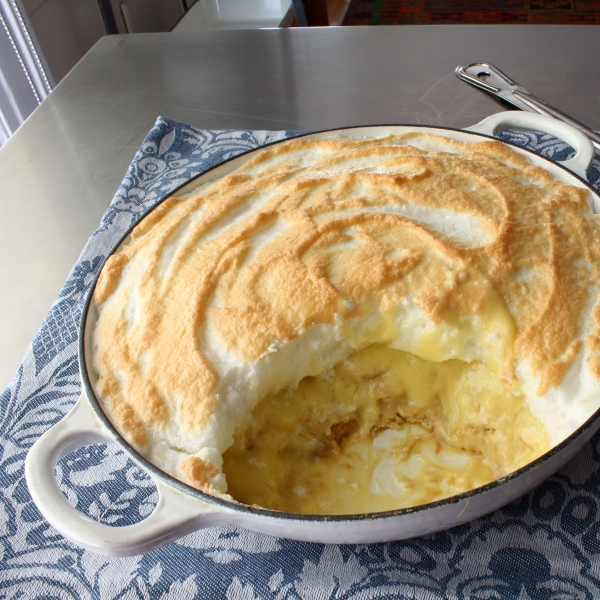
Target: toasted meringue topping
315 250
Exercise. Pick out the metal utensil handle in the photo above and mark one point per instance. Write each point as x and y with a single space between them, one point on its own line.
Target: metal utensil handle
492 80
173 516
584 150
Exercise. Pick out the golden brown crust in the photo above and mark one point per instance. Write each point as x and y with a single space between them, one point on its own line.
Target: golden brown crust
199 472
343 243
554 373
109 277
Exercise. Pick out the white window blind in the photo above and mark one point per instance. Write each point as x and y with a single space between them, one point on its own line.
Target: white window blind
24 79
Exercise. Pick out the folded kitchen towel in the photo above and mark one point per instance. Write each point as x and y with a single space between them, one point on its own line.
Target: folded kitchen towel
544 545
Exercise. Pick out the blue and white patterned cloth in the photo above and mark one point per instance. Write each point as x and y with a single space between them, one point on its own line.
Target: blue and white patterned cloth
544 545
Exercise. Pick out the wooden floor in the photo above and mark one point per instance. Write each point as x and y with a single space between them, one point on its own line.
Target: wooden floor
336 9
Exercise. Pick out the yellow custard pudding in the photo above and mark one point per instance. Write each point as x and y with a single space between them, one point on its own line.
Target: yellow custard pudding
381 430
354 325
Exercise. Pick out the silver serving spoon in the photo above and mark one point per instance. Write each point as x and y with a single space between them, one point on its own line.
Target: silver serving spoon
490 79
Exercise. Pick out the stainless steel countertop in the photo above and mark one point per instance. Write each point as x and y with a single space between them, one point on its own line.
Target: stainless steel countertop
61 169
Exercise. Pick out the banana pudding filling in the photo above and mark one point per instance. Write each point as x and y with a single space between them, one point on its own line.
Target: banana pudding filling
383 429
350 325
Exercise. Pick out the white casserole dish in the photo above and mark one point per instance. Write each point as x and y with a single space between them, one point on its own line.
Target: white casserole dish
182 509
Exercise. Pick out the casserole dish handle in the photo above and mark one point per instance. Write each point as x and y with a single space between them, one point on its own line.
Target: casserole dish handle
584 149
174 515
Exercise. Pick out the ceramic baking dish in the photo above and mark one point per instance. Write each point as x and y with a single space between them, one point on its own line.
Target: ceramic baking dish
182 509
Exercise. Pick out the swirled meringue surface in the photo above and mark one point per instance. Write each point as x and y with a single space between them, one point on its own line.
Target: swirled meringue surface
315 250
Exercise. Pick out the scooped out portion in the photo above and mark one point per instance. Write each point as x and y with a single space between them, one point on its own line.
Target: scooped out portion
381 430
